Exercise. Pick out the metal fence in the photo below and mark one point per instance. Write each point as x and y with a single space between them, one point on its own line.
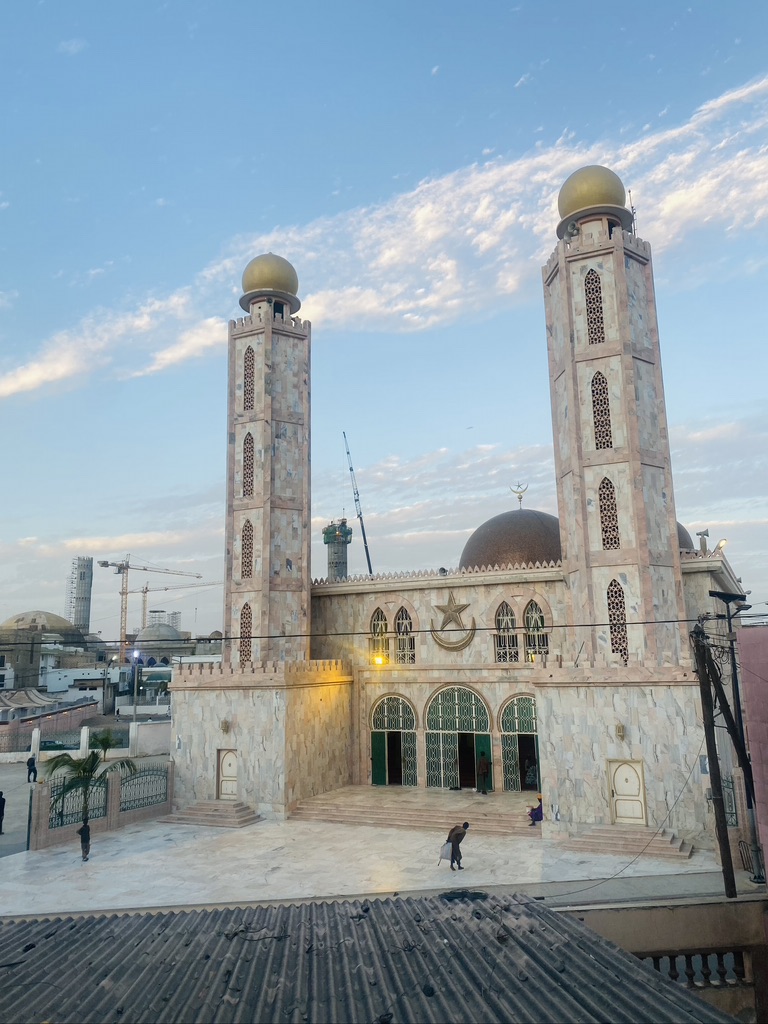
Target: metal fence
147 787
69 740
67 808
13 741
119 737
729 799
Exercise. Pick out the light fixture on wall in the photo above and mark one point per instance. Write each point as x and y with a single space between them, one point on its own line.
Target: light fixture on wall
225 725
619 731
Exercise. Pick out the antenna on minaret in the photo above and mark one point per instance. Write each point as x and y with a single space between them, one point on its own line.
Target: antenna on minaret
519 491
633 211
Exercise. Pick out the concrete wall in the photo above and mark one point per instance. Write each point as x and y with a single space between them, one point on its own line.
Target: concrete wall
753 648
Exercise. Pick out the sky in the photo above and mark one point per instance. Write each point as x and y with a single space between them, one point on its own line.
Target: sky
406 158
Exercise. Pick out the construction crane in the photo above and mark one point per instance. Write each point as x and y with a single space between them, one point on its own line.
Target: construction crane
121 568
358 509
146 589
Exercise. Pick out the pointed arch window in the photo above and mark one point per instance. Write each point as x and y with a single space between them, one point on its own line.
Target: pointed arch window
601 412
248 466
379 641
609 516
246 627
505 639
248 379
617 620
593 293
405 642
246 551
536 640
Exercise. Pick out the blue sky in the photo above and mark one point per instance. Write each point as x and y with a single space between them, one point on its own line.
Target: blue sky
406 158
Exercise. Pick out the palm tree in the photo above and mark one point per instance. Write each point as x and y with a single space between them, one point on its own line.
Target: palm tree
82 773
104 741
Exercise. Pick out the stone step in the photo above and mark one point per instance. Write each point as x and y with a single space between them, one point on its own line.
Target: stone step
630 841
215 814
432 821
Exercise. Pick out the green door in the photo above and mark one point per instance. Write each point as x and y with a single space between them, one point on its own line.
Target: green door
483 746
379 758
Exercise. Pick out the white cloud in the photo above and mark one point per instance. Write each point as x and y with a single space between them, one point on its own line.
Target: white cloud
71 47
7 299
427 256
523 80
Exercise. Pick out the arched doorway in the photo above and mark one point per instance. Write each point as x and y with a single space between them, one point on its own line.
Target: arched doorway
458 732
520 744
393 743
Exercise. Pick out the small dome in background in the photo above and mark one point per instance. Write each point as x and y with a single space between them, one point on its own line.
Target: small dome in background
684 539
513 538
158 633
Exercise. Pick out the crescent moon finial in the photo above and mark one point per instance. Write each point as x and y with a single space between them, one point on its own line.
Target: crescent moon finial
519 491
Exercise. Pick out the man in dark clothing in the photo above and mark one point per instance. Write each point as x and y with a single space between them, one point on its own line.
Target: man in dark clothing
455 836
31 769
85 838
2 811
483 770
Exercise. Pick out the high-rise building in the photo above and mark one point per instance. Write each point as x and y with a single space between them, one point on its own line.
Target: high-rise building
78 599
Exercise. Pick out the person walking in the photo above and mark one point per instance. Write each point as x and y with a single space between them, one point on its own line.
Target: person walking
483 771
31 769
455 836
2 811
85 838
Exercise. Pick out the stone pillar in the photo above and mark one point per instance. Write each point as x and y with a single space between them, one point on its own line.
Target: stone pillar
35 744
85 740
133 739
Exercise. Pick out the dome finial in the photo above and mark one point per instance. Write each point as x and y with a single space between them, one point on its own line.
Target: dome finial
592 190
270 276
519 491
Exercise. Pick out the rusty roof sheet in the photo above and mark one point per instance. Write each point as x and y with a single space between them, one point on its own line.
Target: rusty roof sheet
431 959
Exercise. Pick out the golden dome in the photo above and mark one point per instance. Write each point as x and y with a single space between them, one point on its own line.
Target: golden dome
588 187
270 273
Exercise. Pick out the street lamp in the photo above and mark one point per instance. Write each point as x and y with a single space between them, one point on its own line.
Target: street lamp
135 681
758 872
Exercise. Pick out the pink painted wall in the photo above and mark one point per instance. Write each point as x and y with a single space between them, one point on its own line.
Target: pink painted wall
753 651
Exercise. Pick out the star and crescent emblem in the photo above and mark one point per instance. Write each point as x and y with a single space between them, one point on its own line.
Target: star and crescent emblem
452 622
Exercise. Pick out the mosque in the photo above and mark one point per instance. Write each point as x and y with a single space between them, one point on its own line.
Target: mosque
558 646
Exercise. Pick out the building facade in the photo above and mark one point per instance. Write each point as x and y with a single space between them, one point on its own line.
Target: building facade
556 647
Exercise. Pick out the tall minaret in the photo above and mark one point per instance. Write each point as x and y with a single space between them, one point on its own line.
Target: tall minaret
266 602
612 461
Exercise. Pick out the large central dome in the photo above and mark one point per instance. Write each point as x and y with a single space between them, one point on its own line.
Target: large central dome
513 538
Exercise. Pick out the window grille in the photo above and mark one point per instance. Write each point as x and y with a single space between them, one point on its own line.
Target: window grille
393 714
457 709
536 640
505 639
248 466
593 294
601 412
246 551
609 516
379 641
519 715
405 642
246 624
248 379
617 619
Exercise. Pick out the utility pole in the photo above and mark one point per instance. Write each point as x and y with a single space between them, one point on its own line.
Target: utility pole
698 639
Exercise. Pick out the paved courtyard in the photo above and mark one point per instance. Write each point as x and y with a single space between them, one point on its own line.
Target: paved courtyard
160 864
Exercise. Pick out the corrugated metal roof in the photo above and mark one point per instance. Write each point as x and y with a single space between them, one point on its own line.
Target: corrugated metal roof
431 959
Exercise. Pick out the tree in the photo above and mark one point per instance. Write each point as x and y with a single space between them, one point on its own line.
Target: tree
82 773
104 741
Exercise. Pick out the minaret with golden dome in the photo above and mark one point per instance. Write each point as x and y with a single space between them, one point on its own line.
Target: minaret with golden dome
612 459
266 603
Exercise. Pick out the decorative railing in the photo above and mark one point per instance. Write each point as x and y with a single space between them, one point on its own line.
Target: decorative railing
729 800
147 787
703 968
69 740
66 808
12 741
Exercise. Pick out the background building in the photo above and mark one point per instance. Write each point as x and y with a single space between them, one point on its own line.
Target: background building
79 587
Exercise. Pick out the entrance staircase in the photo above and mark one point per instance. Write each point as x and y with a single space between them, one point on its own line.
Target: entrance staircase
630 841
216 813
498 814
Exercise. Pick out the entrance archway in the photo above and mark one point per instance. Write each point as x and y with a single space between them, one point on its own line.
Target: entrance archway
393 743
520 744
458 731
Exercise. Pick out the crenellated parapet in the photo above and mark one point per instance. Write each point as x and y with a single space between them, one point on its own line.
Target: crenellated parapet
439 575
270 674
244 324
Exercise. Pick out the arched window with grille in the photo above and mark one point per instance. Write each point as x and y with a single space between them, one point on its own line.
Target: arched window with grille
393 743
601 412
248 466
246 627
593 293
536 640
379 640
248 379
405 642
246 550
519 743
505 638
617 620
609 516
